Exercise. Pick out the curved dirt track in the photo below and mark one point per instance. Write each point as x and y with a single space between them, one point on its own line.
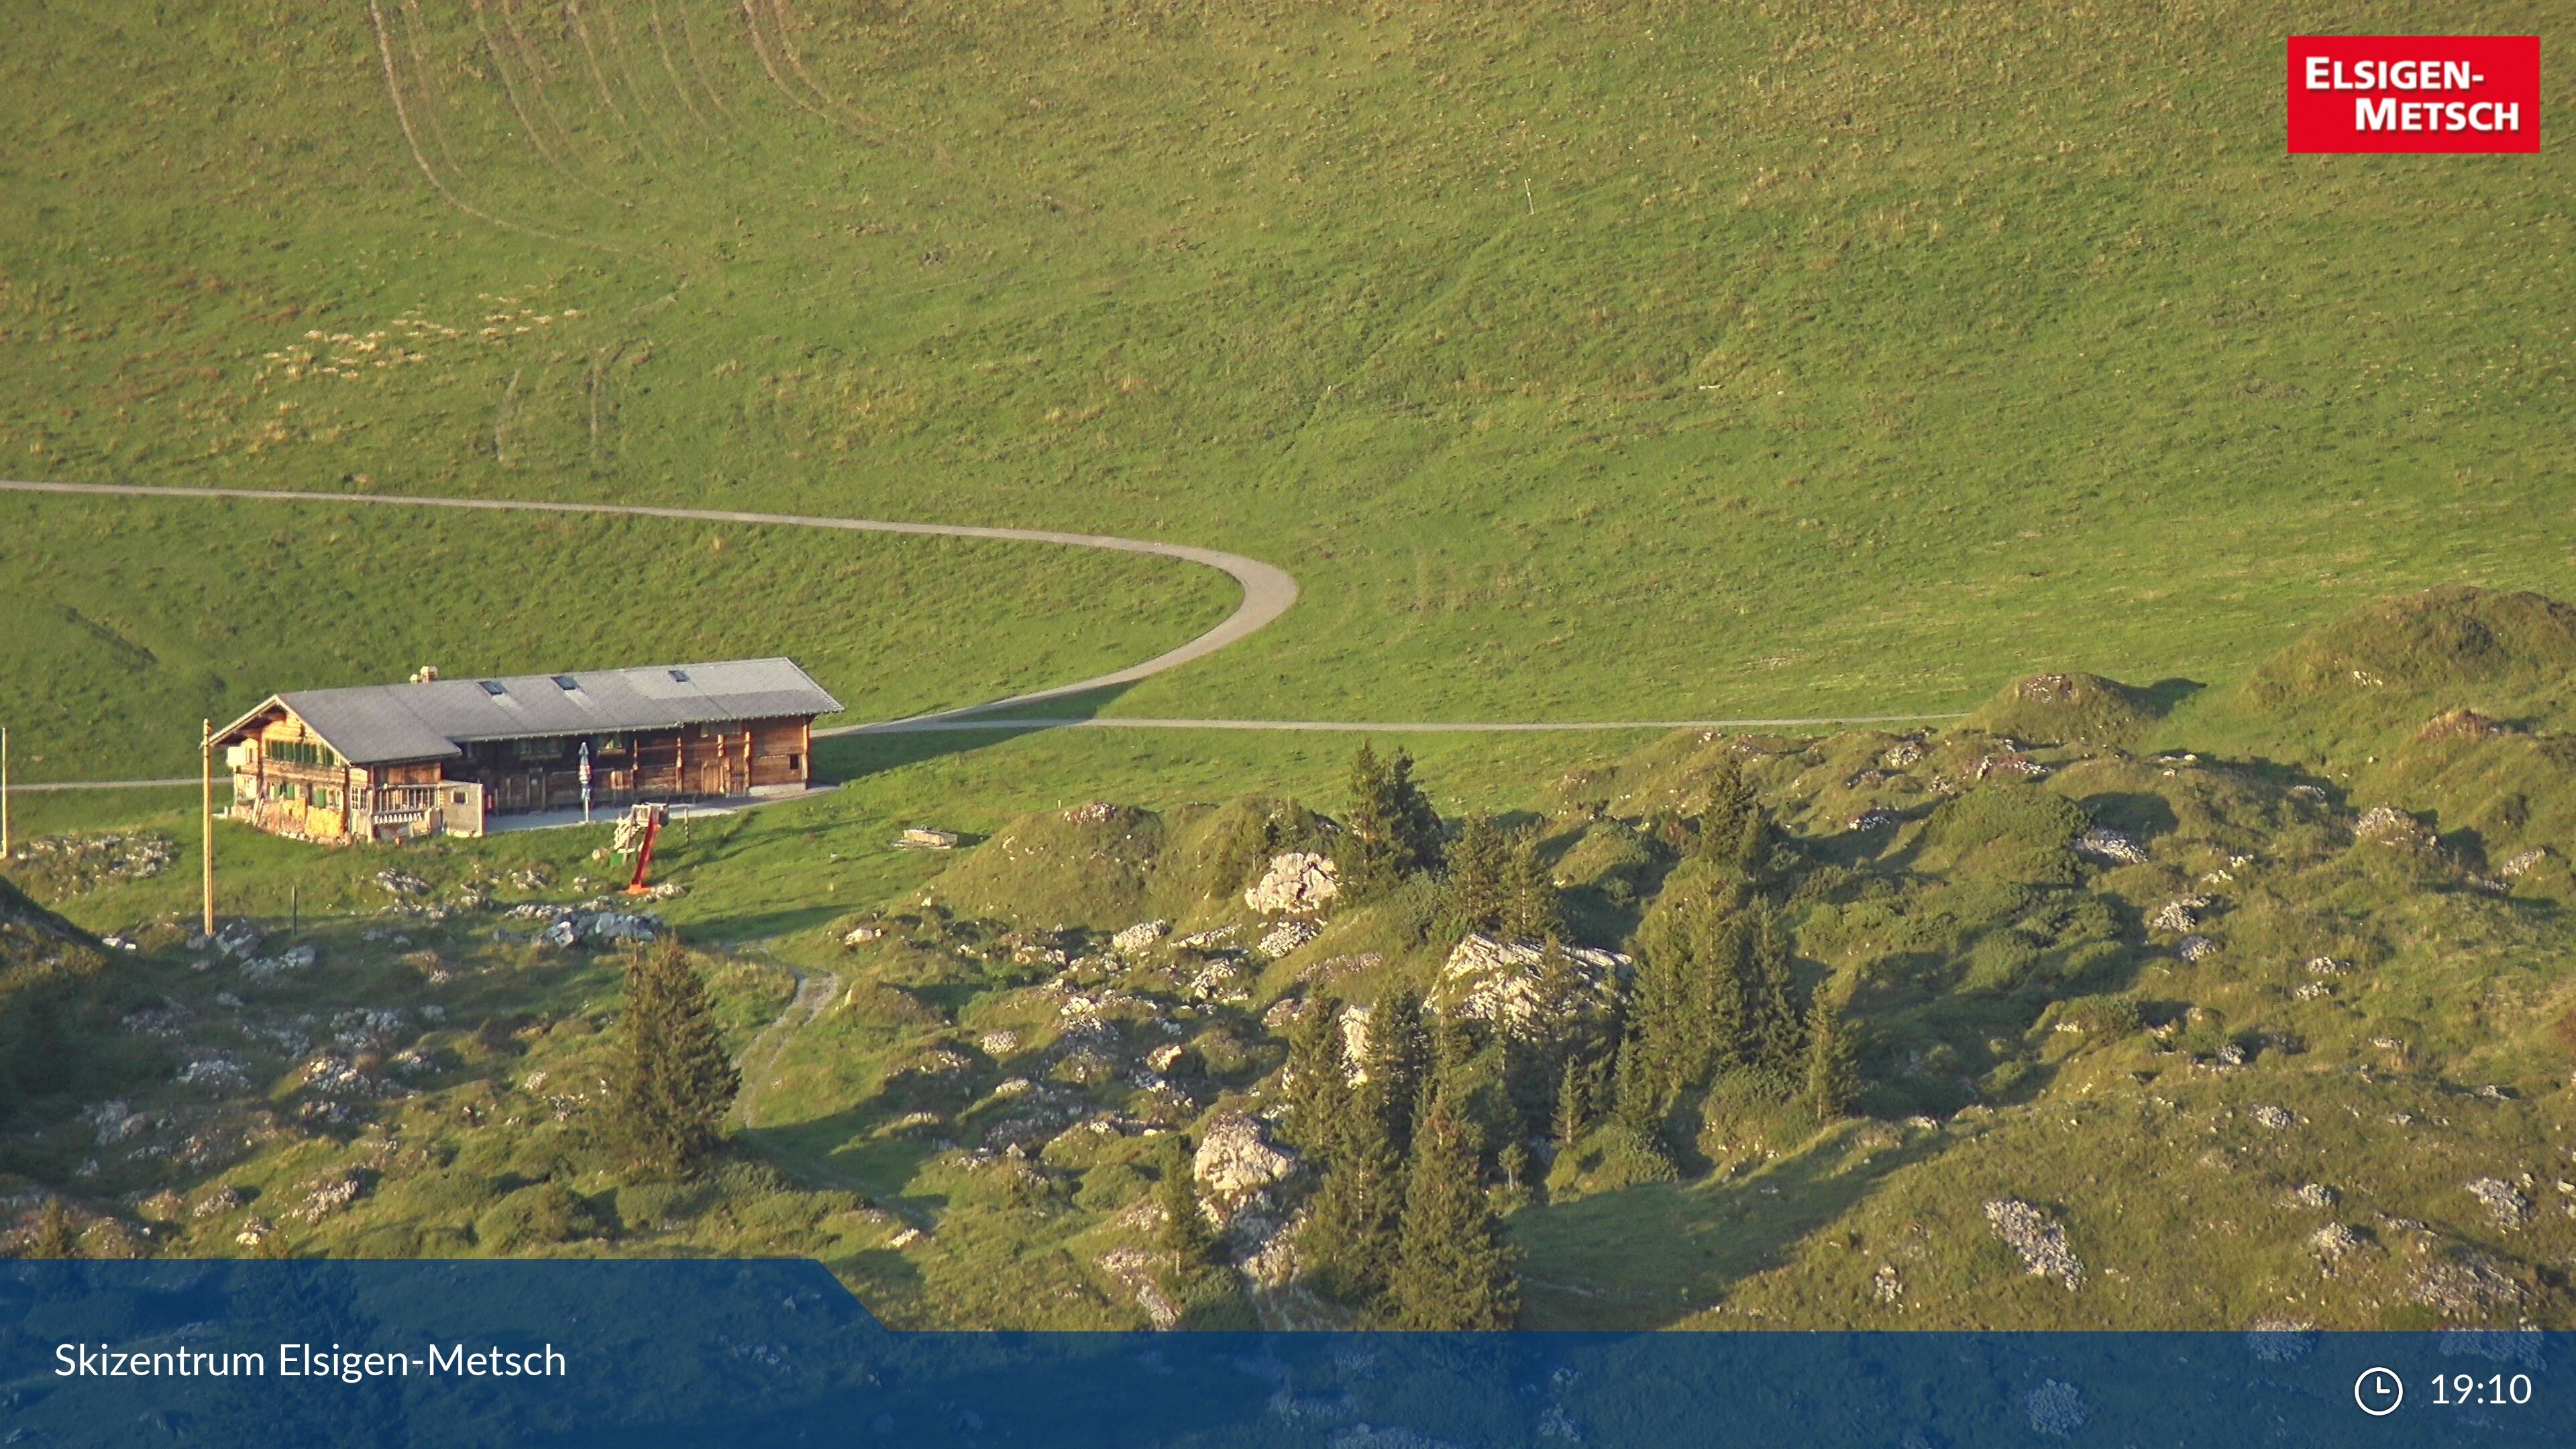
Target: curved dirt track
1268 591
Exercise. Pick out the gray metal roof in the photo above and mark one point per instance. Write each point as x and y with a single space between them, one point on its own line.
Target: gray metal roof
378 724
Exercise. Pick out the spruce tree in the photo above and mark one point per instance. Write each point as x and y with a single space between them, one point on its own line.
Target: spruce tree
673 1081
1318 1087
1531 910
1753 843
1778 1035
1418 827
1186 1235
54 1236
1636 1098
1573 1104
1390 831
1348 1244
1398 1062
1452 1269
1730 801
1476 890
1833 1069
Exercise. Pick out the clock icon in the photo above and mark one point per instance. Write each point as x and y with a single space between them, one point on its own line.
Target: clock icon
2378 1391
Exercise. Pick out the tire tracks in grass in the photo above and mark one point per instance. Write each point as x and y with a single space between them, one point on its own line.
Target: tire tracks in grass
528 126
671 68
411 139
636 134
759 1060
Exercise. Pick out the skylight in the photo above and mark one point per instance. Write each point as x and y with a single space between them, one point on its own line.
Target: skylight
566 682
493 688
679 676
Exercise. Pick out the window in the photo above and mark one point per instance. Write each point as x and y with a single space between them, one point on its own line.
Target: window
547 749
301 752
493 688
567 683
460 797
795 764
679 676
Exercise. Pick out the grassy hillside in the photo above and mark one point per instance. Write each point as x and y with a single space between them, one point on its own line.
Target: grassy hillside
1622 359
132 618
2249 1038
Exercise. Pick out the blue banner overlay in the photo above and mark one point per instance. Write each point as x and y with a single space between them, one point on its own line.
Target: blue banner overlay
282 1355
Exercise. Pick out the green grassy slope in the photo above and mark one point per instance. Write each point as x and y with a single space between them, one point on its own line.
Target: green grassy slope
131 617
2365 1034
1623 359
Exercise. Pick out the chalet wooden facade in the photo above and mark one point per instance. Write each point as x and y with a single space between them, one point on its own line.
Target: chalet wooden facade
445 756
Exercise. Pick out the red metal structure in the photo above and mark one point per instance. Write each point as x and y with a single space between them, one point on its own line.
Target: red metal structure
652 818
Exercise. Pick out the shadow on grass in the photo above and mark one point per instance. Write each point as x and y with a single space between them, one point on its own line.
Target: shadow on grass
836 1150
2167 695
1647 1256
841 759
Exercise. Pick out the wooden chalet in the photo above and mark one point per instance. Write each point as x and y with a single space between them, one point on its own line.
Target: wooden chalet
444 756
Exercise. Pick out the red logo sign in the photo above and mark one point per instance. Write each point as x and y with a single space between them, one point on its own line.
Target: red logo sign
2405 93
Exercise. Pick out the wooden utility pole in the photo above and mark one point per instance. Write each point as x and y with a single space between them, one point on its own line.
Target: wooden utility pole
206 813
4 792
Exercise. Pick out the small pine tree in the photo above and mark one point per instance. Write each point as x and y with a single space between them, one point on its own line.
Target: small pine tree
1573 1104
1730 800
1418 827
1753 843
1452 1269
674 1082
1531 909
54 1236
1391 831
1348 1244
1476 889
1778 1037
1398 1065
1636 1099
1833 1068
1186 1235
1318 1086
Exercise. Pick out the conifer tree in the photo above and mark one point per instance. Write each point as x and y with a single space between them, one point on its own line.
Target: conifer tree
1348 1245
1730 801
1833 1069
1573 1104
1390 832
673 1081
1452 1269
1778 1036
1752 842
54 1236
1186 1235
1418 826
1531 909
1476 888
1318 1088
1636 1099
1398 1063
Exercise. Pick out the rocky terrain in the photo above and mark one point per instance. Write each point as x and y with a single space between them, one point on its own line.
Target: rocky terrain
2140 1031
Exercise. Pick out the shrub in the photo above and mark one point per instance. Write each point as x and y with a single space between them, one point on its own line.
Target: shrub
2103 1016
1613 1157
536 1216
441 1192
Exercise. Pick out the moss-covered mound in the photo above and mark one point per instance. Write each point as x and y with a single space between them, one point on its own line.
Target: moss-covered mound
2468 660
1090 865
2060 709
